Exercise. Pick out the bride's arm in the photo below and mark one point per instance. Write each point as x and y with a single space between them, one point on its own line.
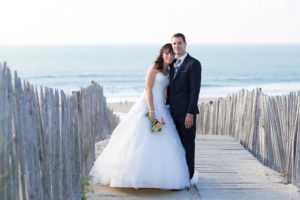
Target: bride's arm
166 95
148 87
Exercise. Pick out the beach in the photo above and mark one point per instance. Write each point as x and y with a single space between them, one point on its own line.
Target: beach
124 107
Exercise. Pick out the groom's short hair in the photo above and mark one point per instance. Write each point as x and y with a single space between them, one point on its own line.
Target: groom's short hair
179 35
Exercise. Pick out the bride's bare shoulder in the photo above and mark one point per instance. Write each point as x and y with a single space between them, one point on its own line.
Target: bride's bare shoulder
153 69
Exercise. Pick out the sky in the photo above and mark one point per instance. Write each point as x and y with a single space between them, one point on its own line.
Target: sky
148 21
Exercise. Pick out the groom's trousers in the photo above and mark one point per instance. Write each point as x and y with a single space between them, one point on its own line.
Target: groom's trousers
187 137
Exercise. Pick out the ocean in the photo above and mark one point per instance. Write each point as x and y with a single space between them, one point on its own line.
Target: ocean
121 69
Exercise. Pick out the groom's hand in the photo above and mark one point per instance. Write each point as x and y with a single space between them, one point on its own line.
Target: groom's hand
188 122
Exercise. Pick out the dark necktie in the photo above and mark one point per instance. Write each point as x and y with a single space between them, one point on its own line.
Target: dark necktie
177 65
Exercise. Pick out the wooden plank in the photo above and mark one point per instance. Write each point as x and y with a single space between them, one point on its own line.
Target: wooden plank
58 187
65 146
4 155
296 131
46 161
75 148
19 127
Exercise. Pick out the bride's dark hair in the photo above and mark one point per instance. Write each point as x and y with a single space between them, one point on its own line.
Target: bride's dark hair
159 62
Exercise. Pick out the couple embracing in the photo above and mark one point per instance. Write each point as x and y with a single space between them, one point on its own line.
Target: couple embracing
135 157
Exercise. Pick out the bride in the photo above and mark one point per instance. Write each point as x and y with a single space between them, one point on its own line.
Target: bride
135 157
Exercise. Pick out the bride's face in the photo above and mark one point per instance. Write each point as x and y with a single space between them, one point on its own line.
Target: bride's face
168 57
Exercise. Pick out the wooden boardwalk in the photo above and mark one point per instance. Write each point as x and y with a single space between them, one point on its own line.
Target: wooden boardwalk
226 171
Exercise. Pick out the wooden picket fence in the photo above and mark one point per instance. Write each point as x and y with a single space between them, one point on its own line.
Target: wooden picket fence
268 126
47 138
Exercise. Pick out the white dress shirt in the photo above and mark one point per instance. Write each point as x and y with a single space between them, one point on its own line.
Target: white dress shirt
178 64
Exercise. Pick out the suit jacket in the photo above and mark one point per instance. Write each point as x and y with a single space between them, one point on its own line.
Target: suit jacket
183 90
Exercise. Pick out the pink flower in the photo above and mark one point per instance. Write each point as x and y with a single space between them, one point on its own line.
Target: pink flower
161 120
155 128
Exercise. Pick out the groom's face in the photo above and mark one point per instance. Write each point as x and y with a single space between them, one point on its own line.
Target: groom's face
179 46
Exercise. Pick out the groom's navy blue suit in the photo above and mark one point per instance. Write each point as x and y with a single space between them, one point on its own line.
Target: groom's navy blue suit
182 96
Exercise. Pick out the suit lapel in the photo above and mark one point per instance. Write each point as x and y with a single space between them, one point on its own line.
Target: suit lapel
181 67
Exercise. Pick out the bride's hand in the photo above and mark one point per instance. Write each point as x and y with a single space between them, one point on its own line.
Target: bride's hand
151 116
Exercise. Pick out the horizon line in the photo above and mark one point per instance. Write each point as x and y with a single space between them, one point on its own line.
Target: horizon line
154 43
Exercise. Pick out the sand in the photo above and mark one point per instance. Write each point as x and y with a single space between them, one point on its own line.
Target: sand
124 107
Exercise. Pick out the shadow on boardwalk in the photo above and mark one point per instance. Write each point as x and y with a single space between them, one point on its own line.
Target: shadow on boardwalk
227 171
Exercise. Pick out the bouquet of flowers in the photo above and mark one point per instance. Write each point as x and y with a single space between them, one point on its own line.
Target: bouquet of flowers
157 124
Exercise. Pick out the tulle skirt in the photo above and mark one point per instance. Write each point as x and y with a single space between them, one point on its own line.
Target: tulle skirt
135 157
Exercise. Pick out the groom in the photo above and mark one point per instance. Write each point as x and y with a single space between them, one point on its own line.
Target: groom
182 96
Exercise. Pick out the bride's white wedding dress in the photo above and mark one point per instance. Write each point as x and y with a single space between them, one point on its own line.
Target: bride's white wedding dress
137 158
